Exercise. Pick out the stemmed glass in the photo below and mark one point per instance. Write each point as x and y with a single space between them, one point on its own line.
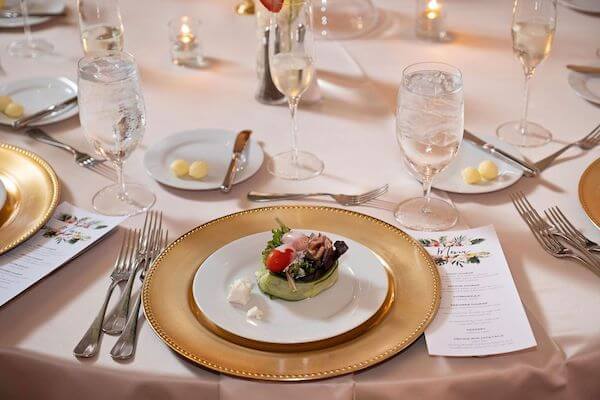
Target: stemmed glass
28 47
112 114
291 58
533 27
100 25
430 123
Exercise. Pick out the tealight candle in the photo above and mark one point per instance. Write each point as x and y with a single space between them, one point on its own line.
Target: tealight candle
186 49
431 20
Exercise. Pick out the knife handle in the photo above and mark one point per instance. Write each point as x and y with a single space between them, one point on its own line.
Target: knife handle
231 173
528 170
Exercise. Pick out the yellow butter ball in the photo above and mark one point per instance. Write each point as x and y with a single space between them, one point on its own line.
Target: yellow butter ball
180 168
198 169
488 170
471 176
13 110
4 100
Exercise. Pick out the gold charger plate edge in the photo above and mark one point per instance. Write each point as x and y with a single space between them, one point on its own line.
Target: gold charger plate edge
373 360
55 196
581 188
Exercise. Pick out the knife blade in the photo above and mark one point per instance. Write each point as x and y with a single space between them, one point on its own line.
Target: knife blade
584 69
24 121
238 147
528 169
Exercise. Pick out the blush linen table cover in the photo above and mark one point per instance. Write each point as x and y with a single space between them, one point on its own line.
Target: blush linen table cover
352 129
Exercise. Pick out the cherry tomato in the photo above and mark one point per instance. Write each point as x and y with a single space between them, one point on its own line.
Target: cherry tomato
278 260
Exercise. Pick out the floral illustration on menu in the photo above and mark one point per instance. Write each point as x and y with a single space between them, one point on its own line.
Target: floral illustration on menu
448 254
72 232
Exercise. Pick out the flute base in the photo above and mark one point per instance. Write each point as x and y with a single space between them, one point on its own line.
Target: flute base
534 135
422 215
304 166
109 201
30 49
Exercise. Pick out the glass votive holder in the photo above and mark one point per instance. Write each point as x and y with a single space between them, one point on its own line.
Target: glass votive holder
186 48
431 20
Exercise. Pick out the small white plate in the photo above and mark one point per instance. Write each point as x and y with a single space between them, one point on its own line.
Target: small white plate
359 292
51 6
587 6
586 86
2 195
37 94
470 155
214 146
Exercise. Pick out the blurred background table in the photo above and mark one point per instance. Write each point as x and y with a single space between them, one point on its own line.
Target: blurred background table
353 129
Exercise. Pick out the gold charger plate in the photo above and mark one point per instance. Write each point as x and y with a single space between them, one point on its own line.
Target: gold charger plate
168 304
589 192
32 195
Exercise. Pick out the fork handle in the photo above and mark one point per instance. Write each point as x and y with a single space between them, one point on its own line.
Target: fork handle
88 345
115 321
41 136
256 196
124 348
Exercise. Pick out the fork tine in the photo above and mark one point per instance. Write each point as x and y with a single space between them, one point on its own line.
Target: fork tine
119 260
575 231
370 195
558 222
522 213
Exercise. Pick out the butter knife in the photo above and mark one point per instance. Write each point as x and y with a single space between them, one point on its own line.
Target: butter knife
528 169
24 121
584 69
238 148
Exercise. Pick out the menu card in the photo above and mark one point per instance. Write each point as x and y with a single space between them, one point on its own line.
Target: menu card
69 232
480 313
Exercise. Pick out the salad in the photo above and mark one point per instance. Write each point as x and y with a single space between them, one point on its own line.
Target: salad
297 266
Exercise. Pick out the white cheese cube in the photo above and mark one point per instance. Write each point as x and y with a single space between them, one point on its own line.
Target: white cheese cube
255 313
239 292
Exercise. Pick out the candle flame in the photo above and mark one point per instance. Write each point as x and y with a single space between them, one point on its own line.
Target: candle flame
433 5
185 29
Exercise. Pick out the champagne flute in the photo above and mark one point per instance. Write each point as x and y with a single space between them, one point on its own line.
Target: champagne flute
29 47
430 124
533 27
100 26
291 58
112 114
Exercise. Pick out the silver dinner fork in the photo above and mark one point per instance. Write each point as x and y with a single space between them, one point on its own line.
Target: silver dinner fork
572 230
88 345
343 199
115 321
543 235
588 142
125 346
82 159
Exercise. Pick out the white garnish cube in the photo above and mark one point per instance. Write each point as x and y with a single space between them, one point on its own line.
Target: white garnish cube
255 313
239 292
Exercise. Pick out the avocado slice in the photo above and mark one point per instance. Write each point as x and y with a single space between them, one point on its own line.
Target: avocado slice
277 286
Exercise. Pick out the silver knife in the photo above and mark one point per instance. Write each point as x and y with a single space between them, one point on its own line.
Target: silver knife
528 169
238 148
584 69
24 121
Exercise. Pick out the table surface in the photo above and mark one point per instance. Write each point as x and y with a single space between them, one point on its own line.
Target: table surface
352 129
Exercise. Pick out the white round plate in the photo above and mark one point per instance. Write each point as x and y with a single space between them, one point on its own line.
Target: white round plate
214 146
586 86
588 6
359 292
2 195
37 94
51 6
469 155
